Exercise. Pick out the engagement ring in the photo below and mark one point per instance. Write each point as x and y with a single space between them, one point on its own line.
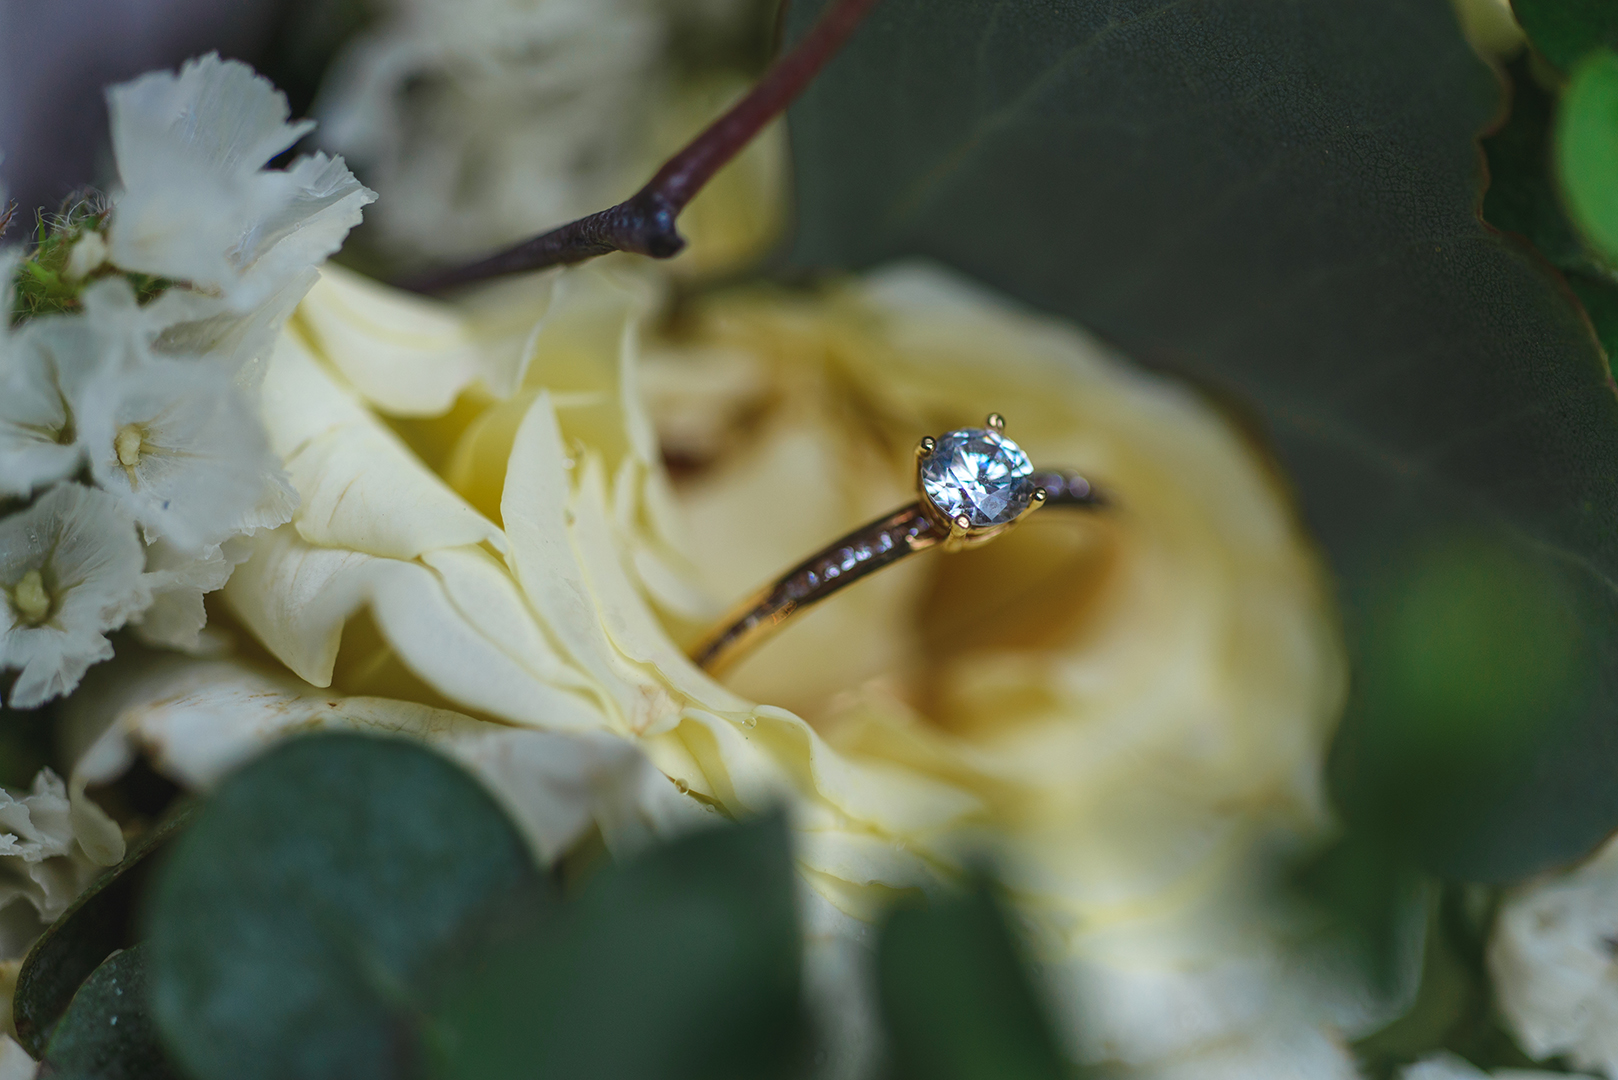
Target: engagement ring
972 486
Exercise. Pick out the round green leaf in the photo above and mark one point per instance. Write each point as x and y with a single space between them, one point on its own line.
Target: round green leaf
680 965
107 1032
1587 150
298 925
956 998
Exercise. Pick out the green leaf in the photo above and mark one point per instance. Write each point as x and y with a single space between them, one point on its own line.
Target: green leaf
1564 30
1278 201
296 928
107 1033
1523 195
956 999
682 964
1587 150
1453 1010
1599 295
1374 904
1525 198
99 922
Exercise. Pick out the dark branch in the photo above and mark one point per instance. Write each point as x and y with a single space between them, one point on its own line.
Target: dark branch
645 222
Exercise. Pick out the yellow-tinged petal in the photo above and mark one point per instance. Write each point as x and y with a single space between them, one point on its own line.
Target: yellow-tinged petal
296 598
198 720
536 509
361 487
405 354
622 610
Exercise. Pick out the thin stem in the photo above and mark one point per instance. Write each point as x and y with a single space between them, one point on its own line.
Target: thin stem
645 222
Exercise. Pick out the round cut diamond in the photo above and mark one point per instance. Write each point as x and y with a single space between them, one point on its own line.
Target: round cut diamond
980 474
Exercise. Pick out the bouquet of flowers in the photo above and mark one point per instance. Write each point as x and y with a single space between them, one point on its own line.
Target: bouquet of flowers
422 662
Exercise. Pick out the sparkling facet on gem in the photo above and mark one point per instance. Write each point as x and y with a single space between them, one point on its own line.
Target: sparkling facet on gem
978 473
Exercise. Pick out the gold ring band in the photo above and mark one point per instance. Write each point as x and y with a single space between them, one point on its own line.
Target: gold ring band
925 523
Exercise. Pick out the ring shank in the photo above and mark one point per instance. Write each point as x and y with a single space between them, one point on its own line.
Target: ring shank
847 560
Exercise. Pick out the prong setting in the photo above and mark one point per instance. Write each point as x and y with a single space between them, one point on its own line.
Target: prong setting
1037 499
974 483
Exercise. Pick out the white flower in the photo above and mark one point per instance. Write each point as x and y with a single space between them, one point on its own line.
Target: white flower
46 845
1284 1051
40 371
70 571
15 1064
179 580
1554 959
1450 1067
179 445
485 120
44 369
197 203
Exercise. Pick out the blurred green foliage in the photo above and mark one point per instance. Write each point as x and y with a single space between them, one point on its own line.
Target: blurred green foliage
295 928
348 905
99 922
956 999
681 964
1474 651
1587 149
1454 1009
107 1033
1564 30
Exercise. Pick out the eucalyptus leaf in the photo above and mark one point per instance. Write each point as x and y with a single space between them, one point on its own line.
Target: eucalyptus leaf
99 922
107 1032
956 999
1278 201
680 965
1587 149
298 926
1564 30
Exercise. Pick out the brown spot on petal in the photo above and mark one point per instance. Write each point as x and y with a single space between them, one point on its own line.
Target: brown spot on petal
1036 590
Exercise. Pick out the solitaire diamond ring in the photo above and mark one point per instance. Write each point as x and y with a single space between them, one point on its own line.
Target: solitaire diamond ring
973 485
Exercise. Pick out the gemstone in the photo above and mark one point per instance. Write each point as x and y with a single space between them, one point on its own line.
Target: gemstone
980 474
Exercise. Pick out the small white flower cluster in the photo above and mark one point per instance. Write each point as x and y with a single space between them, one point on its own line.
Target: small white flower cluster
1446 1066
44 863
1554 959
131 451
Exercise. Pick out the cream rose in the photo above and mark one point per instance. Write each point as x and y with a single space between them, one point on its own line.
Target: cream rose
1128 710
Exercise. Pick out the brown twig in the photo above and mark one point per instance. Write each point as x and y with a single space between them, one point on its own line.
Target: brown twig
645 222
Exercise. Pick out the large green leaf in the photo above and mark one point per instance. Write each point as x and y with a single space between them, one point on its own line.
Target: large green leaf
298 926
680 965
1277 199
957 1001
107 1032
